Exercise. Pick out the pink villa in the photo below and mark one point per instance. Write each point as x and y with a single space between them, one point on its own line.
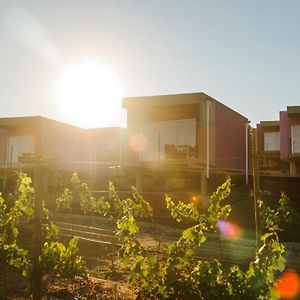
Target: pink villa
62 147
185 141
290 138
185 144
279 144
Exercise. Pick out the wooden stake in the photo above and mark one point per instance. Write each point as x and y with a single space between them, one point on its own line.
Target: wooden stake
38 234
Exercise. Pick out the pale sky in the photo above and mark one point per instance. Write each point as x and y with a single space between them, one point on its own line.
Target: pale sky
246 54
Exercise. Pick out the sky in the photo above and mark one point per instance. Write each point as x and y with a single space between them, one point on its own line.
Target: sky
245 54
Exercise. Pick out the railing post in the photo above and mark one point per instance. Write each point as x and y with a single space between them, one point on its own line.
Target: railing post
256 181
38 234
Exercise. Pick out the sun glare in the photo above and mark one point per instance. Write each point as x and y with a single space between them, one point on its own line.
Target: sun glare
89 96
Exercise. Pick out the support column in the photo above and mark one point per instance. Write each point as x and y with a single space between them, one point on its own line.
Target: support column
292 167
247 124
4 182
38 233
139 180
204 189
208 103
256 183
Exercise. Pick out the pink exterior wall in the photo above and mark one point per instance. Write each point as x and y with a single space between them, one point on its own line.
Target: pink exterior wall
230 138
285 133
261 130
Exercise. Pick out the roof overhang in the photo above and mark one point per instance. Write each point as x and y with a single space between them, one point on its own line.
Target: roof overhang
174 99
293 110
269 123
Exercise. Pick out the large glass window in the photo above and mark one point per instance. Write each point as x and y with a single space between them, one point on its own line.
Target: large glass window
151 133
272 141
169 140
19 146
296 138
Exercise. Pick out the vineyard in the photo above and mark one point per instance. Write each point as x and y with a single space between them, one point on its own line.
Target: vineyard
108 252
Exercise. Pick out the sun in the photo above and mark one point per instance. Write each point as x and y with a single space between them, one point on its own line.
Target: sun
89 95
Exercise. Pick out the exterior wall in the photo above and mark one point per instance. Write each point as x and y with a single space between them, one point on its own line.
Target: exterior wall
72 147
3 141
63 142
107 147
166 172
139 115
227 141
142 114
260 137
285 133
230 138
106 144
52 140
269 161
15 131
261 130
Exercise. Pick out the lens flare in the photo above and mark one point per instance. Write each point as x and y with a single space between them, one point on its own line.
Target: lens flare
229 230
288 285
138 143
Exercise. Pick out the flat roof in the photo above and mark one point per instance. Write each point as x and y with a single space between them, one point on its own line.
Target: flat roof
30 120
269 123
171 99
293 110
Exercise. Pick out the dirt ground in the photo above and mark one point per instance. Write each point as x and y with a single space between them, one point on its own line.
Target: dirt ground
107 279
75 289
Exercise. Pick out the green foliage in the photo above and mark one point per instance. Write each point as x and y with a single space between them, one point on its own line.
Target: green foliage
124 211
56 259
178 273
283 218
216 211
64 201
114 207
61 261
182 212
88 203
22 205
14 256
135 206
189 212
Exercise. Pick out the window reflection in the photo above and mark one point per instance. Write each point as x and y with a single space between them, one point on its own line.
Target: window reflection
272 141
295 138
169 140
19 146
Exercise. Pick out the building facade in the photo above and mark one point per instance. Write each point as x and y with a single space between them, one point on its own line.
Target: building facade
61 148
279 144
290 138
191 135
